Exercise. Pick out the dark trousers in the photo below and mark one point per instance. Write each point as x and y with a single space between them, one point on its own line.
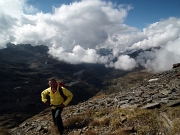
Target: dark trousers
56 115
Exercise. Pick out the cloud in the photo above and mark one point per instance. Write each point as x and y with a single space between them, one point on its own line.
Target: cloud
78 55
124 62
11 19
164 34
163 59
75 32
160 33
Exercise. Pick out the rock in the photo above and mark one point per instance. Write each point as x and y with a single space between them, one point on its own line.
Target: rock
153 80
176 65
174 103
151 105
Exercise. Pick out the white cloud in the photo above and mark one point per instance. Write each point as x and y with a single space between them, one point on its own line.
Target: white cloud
74 32
165 34
124 62
78 55
160 33
162 59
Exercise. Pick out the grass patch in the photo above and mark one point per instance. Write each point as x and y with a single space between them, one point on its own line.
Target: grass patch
176 127
75 120
174 112
143 121
115 123
101 113
94 123
105 121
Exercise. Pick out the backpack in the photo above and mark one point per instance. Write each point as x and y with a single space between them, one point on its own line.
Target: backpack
61 91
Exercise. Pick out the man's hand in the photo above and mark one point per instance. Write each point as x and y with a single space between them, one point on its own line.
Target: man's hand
62 105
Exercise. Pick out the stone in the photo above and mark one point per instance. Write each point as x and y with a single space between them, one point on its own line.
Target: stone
151 105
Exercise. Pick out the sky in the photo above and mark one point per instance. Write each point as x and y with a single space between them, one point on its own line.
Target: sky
75 30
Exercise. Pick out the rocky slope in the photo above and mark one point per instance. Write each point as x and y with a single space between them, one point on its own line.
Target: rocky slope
151 107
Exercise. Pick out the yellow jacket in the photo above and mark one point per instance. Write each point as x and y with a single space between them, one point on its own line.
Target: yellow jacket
56 98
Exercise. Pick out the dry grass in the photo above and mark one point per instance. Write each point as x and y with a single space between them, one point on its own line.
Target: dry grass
90 113
101 113
176 127
75 120
121 132
142 121
115 124
94 123
174 115
91 132
88 132
53 130
174 112
145 121
104 121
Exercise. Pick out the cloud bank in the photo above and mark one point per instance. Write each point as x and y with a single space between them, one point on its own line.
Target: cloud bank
75 32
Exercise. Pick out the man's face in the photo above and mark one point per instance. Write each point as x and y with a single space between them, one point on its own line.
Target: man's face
53 84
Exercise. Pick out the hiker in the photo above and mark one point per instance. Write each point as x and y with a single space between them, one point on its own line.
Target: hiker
59 98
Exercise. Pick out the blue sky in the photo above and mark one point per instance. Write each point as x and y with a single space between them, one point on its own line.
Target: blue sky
144 12
75 31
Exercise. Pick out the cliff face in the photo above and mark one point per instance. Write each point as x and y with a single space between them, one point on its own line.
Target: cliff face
150 107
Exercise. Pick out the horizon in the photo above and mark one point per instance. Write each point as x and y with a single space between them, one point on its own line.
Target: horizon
74 30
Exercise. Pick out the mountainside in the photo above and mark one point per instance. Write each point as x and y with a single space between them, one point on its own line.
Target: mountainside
151 107
24 72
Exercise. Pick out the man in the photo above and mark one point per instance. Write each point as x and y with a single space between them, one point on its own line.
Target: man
57 102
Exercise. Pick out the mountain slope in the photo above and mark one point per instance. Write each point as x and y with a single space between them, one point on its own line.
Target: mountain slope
150 107
24 72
